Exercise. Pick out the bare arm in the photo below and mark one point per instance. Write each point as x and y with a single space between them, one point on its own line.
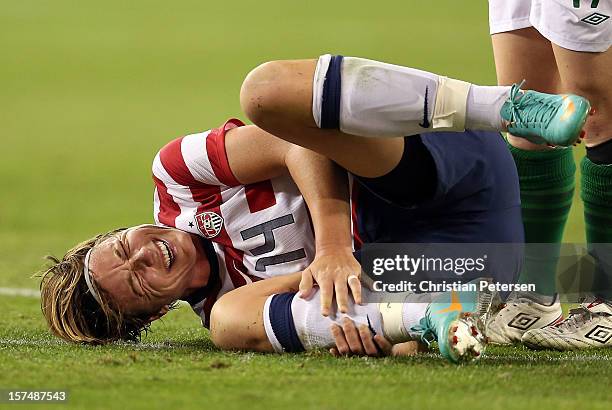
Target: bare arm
236 321
255 155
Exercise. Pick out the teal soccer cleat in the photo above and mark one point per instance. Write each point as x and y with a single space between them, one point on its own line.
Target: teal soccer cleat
456 321
554 119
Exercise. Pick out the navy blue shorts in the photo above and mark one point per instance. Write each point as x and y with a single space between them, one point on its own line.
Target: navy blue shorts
471 193
466 191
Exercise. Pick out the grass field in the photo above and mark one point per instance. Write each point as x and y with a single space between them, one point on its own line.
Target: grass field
88 95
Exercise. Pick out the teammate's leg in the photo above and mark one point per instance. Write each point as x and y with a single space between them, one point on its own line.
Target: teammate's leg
525 54
583 56
546 178
591 75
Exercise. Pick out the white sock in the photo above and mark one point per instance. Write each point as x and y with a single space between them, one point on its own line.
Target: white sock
401 319
386 100
313 329
484 107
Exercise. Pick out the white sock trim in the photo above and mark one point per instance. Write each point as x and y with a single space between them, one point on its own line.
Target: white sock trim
451 104
317 86
278 348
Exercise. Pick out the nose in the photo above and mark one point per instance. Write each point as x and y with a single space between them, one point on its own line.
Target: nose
144 257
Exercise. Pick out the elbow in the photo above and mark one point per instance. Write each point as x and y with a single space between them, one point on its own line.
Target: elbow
232 329
221 326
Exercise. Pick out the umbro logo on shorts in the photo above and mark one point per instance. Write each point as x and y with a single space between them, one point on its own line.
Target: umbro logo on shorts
523 321
595 19
599 333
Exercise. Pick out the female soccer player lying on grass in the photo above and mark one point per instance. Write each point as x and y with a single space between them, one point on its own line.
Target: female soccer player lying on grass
228 212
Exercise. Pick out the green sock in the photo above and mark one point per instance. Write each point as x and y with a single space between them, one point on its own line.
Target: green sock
547 190
597 197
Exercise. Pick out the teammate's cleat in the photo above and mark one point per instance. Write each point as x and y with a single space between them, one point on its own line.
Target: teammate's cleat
456 321
554 119
511 320
588 326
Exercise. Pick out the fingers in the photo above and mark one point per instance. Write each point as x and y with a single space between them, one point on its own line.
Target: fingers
326 289
342 347
342 295
368 342
336 274
340 288
353 340
355 285
383 344
352 336
347 339
306 284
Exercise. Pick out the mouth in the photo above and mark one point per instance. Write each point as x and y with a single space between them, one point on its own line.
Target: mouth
166 251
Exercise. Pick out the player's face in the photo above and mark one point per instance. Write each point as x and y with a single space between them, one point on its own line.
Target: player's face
147 267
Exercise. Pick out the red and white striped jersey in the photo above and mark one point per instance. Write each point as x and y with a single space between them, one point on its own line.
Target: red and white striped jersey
257 230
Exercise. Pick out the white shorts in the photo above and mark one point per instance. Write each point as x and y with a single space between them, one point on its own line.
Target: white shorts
580 28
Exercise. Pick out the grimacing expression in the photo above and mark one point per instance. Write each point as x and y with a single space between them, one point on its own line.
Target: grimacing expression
147 267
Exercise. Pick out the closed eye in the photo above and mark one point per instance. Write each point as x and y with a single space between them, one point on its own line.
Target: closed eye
124 247
135 284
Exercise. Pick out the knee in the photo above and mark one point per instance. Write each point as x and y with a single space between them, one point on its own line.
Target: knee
262 91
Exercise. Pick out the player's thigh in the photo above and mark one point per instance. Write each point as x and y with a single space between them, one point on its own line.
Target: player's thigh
277 97
525 54
362 156
589 75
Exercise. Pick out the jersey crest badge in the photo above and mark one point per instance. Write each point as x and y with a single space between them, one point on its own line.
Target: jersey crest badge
209 224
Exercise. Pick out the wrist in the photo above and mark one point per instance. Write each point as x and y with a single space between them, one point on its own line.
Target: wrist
333 248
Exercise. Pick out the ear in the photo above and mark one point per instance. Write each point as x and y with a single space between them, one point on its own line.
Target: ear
165 309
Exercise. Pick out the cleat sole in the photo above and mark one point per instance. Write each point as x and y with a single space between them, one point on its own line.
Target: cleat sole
467 340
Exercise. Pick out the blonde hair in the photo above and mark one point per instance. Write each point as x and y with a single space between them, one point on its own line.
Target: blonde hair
70 309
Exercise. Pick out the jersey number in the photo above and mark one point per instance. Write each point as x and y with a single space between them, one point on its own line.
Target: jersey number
267 230
594 4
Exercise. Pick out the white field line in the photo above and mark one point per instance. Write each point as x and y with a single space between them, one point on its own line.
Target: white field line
35 293
25 292
9 341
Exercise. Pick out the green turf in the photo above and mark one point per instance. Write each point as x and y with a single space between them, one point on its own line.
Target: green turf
177 366
91 90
